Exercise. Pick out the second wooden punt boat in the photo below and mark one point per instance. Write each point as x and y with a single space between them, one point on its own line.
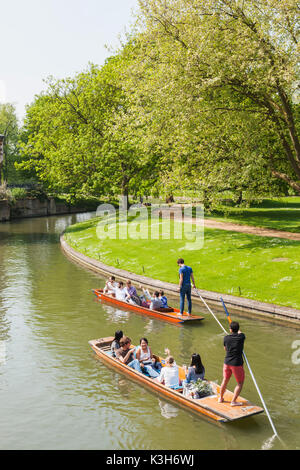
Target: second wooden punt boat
208 406
171 315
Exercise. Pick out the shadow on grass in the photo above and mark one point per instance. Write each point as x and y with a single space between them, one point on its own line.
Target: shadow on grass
232 240
288 220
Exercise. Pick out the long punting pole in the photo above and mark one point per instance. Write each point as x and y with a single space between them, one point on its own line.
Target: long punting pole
246 360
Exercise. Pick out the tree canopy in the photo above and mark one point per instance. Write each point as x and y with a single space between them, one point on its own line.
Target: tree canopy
224 76
204 96
9 128
82 137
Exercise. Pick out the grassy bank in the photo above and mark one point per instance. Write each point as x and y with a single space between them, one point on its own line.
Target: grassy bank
280 214
254 267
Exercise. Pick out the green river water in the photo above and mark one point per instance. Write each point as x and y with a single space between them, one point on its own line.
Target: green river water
55 393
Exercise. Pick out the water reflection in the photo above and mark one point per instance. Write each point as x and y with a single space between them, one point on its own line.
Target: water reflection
167 410
115 315
122 316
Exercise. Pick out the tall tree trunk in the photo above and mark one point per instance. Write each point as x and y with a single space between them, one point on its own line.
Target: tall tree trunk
125 195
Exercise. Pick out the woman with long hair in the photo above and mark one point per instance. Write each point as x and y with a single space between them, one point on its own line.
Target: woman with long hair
116 342
196 370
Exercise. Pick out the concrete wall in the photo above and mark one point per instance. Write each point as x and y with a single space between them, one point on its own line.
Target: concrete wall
29 208
4 211
24 208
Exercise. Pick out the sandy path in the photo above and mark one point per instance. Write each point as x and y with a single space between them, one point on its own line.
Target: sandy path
251 230
263 232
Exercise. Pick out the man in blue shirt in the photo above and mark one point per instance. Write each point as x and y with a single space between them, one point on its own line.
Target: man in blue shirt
185 276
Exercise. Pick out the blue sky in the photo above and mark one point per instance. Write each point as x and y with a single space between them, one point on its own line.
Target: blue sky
39 38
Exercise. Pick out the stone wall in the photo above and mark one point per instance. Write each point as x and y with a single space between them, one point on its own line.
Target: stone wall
29 208
4 211
24 208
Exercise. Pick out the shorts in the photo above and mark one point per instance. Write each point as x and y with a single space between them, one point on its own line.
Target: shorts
237 371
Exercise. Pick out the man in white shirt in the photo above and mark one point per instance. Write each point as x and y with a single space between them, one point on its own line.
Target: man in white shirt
110 285
121 292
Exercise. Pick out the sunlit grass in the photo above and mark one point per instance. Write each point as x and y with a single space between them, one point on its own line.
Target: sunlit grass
280 214
254 267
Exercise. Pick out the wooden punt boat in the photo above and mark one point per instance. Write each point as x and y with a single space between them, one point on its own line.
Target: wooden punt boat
207 406
170 315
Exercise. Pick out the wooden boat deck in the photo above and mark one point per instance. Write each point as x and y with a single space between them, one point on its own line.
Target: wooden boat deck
172 316
208 406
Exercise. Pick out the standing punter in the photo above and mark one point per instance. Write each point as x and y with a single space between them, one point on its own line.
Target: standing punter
233 364
185 276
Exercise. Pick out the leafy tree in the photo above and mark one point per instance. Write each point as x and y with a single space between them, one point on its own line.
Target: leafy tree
10 129
219 80
82 137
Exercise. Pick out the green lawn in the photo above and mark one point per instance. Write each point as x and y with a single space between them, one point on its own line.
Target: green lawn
259 268
281 214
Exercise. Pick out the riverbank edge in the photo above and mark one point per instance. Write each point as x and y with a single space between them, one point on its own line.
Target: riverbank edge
241 305
33 207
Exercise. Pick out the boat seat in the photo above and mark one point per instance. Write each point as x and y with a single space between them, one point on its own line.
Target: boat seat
165 309
108 352
178 388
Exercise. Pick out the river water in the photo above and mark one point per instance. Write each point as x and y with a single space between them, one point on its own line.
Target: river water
55 393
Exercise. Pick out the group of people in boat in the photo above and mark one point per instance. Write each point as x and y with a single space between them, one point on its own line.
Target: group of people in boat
166 371
128 293
157 300
141 359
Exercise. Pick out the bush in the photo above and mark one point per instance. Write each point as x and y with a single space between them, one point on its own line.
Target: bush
37 193
18 193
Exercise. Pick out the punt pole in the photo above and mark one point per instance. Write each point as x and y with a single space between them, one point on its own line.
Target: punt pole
253 378
246 360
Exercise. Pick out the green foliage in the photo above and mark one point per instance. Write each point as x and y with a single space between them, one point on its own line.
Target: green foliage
10 129
82 138
202 98
19 193
219 84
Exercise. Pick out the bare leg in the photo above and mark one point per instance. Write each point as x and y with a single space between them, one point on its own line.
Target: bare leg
223 388
236 393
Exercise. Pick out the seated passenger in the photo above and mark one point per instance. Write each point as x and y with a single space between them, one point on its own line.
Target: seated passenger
145 357
110 285
195 371
163 299
132 296
169 374
120 292
143 297
155 301
116 342
126 355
